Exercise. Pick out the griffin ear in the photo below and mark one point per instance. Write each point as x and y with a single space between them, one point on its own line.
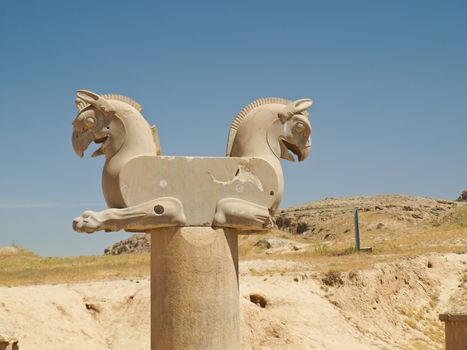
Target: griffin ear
88 96
95 100
302 105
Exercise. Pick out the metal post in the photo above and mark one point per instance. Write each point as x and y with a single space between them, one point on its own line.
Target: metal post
357 230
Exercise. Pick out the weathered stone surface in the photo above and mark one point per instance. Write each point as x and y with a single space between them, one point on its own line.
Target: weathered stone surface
251 182
194 289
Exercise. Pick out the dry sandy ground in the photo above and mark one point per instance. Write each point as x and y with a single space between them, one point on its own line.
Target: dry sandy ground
391 306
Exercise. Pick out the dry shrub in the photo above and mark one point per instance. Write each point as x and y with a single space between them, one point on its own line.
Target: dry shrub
332 278
263 244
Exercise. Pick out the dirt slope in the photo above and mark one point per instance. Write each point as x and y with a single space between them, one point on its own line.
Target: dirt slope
319 293
390 306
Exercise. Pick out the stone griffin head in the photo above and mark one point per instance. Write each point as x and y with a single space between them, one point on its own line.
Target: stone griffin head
295 133
111 121
284 124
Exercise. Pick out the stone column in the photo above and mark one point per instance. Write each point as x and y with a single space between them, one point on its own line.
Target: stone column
456 329
194 289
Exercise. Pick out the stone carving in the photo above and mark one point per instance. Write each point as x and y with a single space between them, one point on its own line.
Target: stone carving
145 190
272 129
164 196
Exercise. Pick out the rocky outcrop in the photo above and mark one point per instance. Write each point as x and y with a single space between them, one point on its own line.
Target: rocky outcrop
463 197
137 243
330 216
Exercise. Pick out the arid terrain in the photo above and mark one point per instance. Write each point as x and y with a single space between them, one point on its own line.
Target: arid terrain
302 286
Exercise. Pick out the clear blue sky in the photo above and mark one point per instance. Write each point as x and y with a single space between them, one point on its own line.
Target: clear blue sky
389 81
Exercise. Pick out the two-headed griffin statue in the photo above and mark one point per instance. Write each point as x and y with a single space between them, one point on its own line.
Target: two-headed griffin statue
145 190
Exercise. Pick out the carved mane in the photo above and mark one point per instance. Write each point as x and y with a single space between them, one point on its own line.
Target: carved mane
245 111
80 104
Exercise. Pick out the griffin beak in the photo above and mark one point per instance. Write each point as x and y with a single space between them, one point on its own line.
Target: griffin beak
289 150
285 153
304 153
81 141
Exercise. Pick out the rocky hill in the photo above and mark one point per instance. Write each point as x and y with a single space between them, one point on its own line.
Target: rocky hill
463 197
137 243
331 218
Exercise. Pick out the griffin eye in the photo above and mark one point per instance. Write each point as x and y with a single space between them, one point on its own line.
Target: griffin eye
89 122
299 127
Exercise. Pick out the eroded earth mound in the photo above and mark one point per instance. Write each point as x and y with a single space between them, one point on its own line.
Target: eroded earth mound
389 306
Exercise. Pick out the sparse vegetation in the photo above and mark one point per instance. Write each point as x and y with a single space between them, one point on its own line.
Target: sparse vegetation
25 267
262 244
321 249
332 278
402 235
434 299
